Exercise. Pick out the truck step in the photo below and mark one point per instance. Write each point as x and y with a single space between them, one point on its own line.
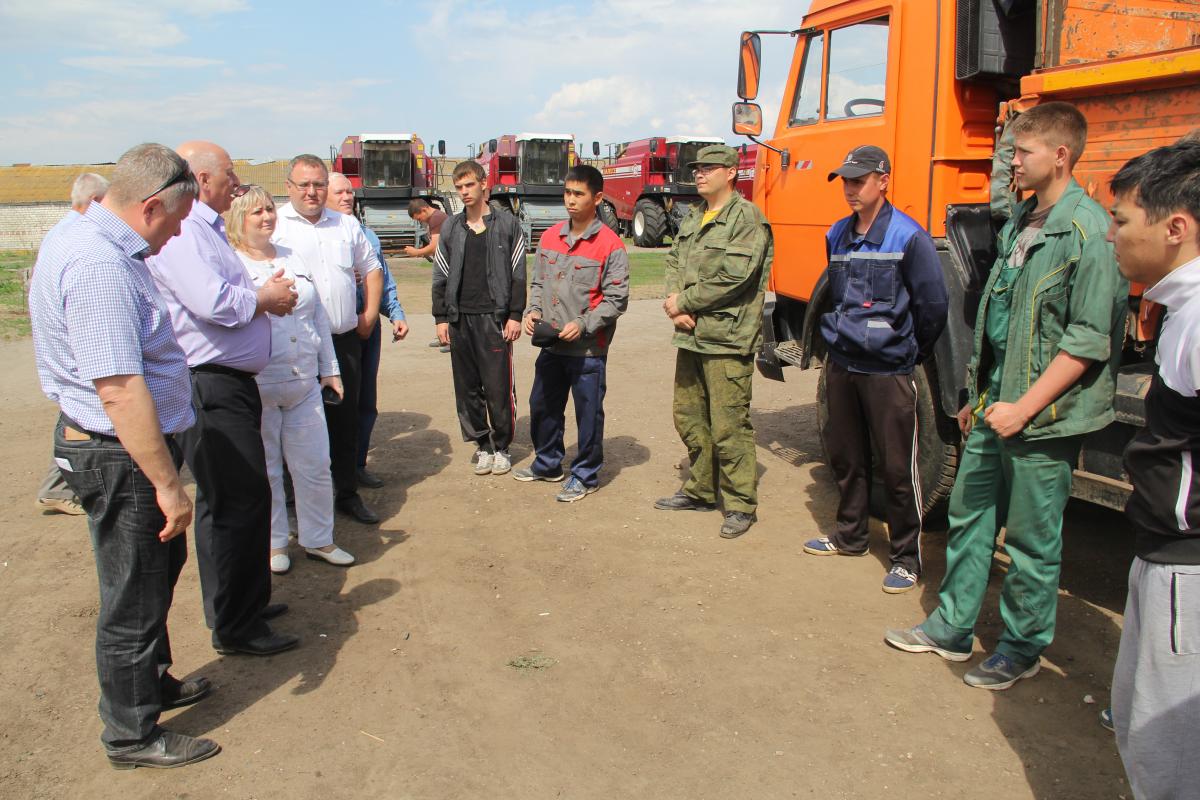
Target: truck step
790 352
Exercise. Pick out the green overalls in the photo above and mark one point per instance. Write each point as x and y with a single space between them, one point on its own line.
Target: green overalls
1068 296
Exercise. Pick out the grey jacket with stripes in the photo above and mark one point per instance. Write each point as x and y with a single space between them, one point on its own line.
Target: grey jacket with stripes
505 266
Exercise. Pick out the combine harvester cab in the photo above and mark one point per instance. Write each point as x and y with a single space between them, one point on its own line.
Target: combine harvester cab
936 85
526 174
388 170
649 188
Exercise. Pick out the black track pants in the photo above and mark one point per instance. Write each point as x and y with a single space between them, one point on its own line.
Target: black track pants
483 381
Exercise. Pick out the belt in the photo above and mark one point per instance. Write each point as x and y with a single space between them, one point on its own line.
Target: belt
220 369
74 432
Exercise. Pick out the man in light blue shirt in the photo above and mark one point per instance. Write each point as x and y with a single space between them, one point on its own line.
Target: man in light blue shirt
107 355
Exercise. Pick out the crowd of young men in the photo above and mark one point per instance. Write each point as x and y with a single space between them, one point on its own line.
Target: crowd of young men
169 377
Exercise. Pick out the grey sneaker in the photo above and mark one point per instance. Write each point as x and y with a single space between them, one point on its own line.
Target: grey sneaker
916 640
527 474
501 462
61 505
998 672
483 462
736 523
573 490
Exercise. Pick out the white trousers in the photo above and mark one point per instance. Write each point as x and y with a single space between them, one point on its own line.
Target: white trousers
293 429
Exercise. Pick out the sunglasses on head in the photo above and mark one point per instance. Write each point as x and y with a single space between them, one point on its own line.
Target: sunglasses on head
185 173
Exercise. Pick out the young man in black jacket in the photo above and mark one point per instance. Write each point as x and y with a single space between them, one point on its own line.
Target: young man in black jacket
478 299
1156 685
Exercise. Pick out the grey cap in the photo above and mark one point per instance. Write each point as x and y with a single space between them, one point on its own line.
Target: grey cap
720 154
862 161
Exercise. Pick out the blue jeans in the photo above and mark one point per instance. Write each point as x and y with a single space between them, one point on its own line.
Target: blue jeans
585 378
367 393
137 575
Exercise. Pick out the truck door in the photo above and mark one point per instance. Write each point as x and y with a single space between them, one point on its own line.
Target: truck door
840 100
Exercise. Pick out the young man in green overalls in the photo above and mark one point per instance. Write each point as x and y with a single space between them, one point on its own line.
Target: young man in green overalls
1043 372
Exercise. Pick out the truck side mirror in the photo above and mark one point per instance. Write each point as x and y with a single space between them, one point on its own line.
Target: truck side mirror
595 148
492 145
653 146
748 65
441 147
747 119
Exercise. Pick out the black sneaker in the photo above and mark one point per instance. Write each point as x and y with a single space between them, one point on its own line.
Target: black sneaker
736 523
683 502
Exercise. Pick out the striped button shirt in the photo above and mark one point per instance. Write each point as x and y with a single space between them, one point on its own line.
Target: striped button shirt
96 313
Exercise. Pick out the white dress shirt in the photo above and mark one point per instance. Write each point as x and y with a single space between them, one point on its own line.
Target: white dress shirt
334 248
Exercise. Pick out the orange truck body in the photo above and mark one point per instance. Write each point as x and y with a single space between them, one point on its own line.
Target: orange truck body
1131 66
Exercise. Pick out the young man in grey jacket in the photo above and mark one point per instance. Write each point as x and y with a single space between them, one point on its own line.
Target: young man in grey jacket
478 297
580 286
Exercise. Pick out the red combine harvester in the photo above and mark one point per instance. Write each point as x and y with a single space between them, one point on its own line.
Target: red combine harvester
387 170
526 174
649 188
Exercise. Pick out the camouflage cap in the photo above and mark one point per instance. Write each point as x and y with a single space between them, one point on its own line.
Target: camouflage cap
720 154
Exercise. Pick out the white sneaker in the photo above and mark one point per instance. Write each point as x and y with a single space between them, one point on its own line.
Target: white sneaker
337 556
280 563
483 462
501 463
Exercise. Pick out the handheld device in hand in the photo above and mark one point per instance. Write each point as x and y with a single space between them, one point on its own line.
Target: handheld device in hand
330 397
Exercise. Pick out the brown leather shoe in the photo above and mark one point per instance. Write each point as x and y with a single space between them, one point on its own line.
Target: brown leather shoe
166 752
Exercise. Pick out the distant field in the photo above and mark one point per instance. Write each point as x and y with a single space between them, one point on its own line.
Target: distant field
14 314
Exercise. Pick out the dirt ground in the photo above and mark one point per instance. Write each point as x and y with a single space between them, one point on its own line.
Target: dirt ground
492 643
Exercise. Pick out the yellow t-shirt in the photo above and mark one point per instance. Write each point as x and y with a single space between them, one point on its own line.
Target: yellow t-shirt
709 216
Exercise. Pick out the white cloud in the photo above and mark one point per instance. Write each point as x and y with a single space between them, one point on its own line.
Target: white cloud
130 63
102 25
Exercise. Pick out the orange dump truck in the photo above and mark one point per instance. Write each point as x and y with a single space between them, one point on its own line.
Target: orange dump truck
934 82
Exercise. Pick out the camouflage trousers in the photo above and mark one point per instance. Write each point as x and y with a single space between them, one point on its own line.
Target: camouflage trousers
712 417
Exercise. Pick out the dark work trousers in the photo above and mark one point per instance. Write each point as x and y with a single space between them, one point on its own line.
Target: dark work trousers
880 409
483 381
584 377
342 419
368 394
224 451
137 575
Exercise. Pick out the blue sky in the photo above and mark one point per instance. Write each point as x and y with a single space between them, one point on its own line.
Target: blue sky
85 79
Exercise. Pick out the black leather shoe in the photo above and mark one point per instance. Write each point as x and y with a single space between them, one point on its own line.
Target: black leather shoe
167 751
368 479
682 502
273 610
177 693
355 507
266 645
736 523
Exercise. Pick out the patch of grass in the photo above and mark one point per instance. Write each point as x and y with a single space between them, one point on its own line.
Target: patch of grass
532 662
14 312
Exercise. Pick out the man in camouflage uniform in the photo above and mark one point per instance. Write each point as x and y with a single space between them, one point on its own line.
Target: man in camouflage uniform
715 275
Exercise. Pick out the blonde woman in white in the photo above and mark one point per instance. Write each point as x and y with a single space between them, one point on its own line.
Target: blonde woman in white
302 362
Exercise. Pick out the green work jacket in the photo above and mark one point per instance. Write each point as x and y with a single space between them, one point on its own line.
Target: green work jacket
1069 297
719 271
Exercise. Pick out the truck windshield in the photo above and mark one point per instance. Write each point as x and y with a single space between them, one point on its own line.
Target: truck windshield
544 162
687 154
386 165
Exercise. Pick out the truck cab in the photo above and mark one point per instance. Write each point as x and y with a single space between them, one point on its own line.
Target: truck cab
526 174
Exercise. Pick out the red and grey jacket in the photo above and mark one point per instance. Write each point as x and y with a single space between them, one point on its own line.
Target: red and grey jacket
1163 459
581 279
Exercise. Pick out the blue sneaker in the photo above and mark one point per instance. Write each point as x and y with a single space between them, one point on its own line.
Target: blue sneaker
899 580
916 640
825 547
1106 720
998 672
573 490
527 474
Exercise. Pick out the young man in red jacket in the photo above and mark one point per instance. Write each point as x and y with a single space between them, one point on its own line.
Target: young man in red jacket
580 286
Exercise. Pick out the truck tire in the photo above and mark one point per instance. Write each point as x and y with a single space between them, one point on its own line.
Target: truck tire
649 223
937 445
608 216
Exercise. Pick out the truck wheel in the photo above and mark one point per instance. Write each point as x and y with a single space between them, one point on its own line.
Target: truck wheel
937 445
649 223
608 216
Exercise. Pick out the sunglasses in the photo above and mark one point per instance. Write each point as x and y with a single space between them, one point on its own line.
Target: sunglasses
182 175
241 190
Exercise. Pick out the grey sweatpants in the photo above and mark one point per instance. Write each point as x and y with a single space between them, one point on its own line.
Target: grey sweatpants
54 487
1156 683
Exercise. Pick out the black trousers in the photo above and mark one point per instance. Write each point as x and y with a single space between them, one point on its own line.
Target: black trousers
483 381
880 409
224 451
342 419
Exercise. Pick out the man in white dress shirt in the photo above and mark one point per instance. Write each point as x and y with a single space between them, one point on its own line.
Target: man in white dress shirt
336 250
